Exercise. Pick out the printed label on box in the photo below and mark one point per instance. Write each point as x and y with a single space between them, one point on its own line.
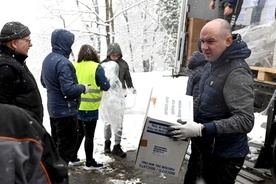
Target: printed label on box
157 168
160 151
157 128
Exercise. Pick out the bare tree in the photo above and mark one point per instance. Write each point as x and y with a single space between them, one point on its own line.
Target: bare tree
112 20
144 33
169 17
107 16
125 15
89 17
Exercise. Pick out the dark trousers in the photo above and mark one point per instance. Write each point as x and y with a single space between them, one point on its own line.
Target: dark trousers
64 133
212 169
221 7
87 129
80 136
217 170
193 169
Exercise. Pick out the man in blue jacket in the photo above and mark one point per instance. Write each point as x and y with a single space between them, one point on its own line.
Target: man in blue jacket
224 112
58 76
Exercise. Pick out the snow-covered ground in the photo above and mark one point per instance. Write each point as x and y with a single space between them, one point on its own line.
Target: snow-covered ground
136 109
134 113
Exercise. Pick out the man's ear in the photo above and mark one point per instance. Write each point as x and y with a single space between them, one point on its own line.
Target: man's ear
229 40
13 44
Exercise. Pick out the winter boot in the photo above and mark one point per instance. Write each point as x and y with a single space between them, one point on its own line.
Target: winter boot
117 150
107 144
74 162
91 165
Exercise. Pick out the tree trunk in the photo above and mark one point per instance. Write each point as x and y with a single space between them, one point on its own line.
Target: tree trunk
129 41
112 22
107 17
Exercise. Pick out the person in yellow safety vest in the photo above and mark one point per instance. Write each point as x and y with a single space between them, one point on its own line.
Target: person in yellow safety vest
89 71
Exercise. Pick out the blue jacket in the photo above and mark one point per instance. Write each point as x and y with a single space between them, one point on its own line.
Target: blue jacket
58 76
230 1
196 64
225 103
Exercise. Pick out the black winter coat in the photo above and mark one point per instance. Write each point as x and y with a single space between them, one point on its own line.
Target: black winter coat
17 84
196 64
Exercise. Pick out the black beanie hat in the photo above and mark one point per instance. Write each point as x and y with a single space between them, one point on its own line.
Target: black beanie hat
13 31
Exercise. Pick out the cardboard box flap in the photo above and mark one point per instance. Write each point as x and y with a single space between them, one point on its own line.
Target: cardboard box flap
170 108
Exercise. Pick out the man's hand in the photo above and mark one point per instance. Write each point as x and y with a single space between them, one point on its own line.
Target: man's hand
228 10
86 88
212 5
190 129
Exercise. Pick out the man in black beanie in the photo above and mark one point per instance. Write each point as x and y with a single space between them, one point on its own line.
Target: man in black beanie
18 87
17 84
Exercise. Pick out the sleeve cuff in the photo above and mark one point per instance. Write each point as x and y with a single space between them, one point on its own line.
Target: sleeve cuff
210 129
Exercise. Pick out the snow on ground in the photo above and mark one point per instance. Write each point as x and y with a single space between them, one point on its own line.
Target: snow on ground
257 135
136 109
134 113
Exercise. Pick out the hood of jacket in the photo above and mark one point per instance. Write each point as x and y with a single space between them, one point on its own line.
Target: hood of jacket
61 41
237 50
114 48
197 59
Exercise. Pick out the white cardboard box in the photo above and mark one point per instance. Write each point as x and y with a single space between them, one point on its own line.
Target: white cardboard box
157 151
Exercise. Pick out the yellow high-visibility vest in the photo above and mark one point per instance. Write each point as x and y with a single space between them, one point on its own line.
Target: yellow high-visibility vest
86 74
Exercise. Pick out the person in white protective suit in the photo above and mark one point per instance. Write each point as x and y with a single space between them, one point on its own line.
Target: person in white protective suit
112 109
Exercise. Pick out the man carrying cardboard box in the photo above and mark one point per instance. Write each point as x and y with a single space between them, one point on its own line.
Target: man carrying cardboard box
224 112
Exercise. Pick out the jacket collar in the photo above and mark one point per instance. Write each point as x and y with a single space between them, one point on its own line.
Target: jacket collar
17 56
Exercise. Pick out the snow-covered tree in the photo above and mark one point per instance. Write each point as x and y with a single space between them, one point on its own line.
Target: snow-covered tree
169 13
146 31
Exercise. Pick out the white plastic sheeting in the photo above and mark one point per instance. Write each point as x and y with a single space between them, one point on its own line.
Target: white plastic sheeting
113 101
261 39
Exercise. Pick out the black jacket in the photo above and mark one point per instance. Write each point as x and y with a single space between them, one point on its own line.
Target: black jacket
17 84
124 74
196 64
28 154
